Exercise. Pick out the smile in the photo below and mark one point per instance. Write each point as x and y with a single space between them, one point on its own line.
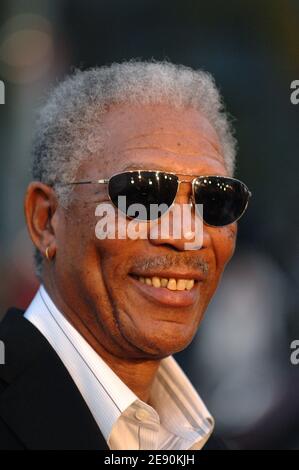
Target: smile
169 291
168 283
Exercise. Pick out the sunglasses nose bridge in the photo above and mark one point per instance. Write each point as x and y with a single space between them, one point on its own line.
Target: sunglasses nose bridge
187 193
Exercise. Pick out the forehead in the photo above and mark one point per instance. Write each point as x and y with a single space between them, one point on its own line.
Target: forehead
157 137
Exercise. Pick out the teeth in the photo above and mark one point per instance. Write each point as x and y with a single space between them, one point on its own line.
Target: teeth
171 284
189 284
156 282
181 284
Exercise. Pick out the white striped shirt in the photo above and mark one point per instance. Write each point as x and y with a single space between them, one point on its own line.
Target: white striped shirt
177 419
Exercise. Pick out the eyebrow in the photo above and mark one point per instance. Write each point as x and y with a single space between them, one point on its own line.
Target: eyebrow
132 165
143 166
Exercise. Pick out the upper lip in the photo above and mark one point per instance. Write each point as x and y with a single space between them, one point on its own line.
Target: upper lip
197 276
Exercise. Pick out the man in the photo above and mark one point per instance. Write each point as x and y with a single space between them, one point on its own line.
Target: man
89 365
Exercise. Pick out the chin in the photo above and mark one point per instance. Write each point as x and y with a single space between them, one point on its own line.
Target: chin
162 345
154 335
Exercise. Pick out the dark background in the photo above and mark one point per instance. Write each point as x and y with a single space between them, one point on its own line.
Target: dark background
240 359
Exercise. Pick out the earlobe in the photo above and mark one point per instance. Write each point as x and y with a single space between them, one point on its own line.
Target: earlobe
40 206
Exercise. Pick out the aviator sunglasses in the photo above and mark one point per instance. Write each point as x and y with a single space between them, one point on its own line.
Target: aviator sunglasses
224 199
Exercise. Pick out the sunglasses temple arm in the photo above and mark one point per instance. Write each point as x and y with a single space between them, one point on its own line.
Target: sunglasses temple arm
103 181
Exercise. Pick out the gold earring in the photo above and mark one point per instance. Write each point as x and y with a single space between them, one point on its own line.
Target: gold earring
47 254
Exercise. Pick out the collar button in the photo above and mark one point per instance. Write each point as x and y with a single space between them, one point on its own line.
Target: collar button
141 414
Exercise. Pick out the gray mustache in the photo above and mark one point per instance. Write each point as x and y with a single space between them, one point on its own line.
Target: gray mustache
170 261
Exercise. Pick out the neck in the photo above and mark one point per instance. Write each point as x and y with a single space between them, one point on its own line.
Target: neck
137 374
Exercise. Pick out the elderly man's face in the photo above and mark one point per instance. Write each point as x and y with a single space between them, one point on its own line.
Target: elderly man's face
97 278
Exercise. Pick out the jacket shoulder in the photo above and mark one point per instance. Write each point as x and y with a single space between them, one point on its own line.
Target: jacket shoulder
40 405
8 336
20 342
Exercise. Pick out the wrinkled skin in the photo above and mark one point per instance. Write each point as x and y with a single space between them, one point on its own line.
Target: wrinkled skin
89 279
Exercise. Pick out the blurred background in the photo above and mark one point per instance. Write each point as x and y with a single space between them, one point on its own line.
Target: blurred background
240 360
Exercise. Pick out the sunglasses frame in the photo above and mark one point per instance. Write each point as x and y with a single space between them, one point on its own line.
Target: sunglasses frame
179 181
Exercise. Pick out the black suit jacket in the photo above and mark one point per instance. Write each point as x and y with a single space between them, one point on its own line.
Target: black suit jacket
40 406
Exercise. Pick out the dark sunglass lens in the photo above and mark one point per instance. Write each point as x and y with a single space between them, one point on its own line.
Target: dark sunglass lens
224 199
146 194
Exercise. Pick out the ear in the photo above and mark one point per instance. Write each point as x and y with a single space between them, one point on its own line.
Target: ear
40 207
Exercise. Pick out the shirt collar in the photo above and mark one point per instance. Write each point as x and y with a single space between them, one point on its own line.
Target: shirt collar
173 398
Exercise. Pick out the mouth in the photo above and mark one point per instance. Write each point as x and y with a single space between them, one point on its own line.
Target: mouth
174 290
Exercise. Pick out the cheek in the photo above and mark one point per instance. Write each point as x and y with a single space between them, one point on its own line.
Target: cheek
113 258
224 242
82 247
74 236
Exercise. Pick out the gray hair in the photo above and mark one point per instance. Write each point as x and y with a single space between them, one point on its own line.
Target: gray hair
69 124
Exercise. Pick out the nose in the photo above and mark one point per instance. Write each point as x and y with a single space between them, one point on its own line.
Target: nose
181 228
